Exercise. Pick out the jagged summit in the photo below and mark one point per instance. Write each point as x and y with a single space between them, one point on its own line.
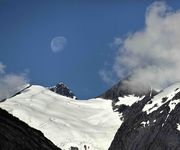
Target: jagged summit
62 89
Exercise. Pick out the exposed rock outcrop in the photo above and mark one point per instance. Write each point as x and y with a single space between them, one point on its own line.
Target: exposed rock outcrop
62 89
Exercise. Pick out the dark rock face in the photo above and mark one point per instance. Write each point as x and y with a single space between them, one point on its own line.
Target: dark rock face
16 135
62 89
156 130
74 148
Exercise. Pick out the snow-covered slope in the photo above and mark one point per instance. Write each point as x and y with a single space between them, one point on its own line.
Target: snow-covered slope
164 96
89 124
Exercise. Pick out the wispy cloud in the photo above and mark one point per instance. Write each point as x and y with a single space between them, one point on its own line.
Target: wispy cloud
58 44
106 76
2 67
150 56
117 41
10 83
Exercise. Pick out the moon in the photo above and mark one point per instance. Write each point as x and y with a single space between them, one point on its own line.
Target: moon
58 43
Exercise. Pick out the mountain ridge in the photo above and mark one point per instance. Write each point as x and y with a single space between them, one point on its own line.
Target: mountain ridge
118 120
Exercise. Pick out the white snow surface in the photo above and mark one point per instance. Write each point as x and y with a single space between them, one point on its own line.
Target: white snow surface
145 123
66 122
168 93
178 126
128 100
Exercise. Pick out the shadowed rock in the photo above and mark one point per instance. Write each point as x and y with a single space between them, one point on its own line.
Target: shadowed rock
17 135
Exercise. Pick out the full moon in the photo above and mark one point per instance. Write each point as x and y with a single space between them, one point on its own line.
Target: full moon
58 43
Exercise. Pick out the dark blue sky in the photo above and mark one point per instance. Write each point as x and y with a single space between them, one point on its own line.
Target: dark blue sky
28 26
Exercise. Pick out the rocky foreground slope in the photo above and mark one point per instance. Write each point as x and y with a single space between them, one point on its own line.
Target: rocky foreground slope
17 135
151 121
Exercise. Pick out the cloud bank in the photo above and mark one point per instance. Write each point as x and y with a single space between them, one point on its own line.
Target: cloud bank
151 56
10 83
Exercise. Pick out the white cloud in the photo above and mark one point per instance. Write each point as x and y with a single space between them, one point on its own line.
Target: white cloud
151 55
58 44
10 83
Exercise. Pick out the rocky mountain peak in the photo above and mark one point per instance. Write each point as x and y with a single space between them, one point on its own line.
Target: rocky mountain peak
63 89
